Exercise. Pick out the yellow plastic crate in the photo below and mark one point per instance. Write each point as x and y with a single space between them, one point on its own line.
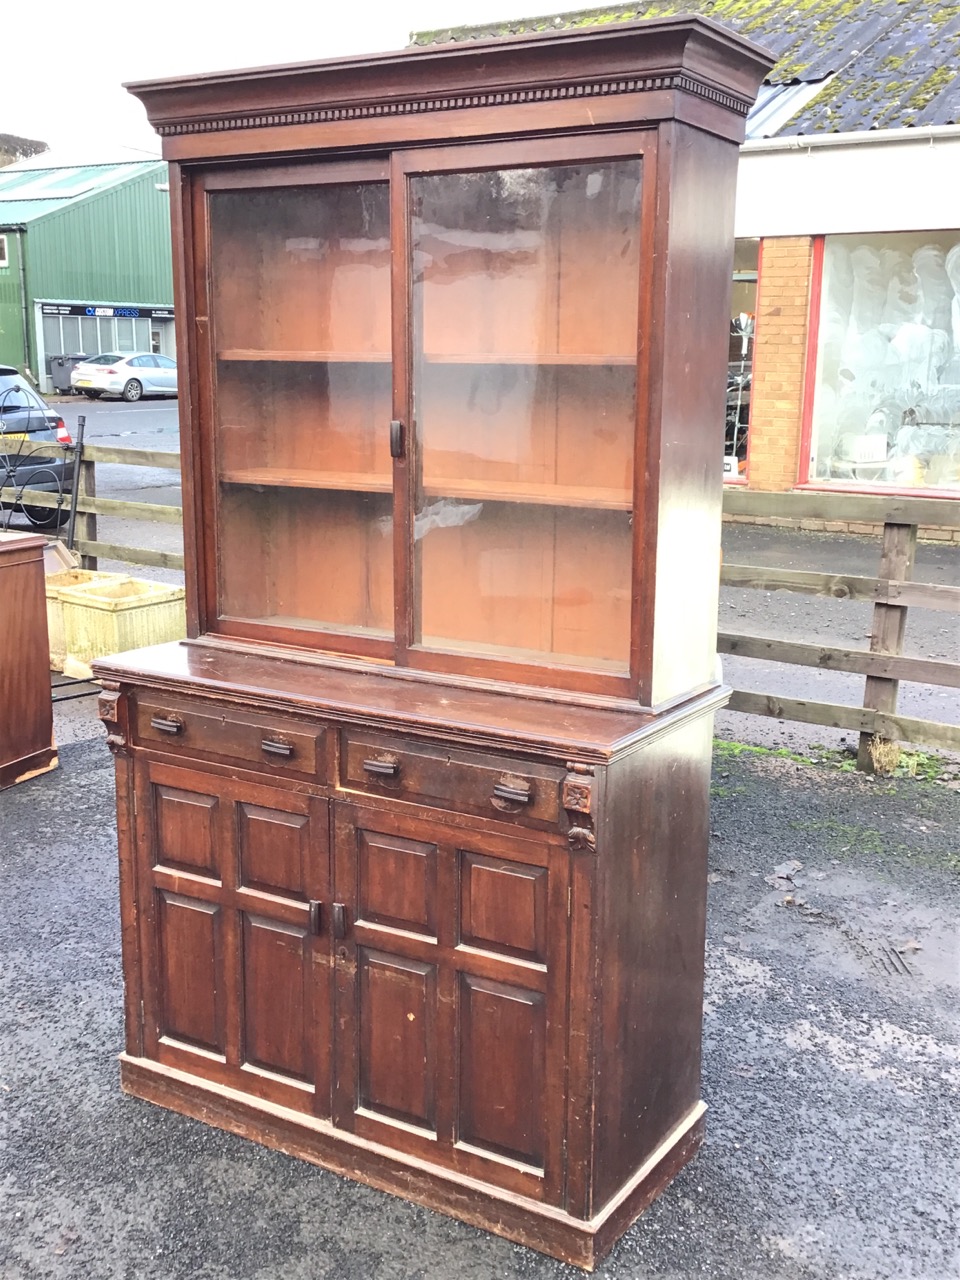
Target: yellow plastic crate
55 583
100 618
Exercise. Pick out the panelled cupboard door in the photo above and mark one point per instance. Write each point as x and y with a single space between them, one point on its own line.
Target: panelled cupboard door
450 1003
234 881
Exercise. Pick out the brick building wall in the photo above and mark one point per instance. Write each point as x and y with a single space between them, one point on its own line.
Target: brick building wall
779 358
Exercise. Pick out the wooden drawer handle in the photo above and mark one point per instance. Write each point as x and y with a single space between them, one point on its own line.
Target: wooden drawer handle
519 795
274 748
382 768
165 725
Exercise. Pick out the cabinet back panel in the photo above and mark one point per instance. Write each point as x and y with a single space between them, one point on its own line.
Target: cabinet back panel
529 582
309 558
304 417
302 268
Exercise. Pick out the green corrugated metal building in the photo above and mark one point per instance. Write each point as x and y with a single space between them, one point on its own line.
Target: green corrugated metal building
84 261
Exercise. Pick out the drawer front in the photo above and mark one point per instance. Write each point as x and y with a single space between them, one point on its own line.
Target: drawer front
295 748
490 786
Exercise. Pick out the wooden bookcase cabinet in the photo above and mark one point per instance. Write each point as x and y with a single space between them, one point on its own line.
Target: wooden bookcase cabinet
413 827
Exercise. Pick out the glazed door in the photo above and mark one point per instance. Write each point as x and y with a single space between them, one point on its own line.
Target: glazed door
450 963
297 414
234 880
526 280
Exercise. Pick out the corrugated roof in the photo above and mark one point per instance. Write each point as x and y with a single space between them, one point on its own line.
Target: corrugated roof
28 192
864 64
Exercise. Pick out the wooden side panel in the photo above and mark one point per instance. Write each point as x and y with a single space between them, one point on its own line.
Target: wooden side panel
503 1069
273 849
686 454
192 977
277 1000
651 918
26 718
186 826
397 1027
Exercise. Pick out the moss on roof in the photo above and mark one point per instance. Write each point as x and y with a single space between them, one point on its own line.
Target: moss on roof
884 63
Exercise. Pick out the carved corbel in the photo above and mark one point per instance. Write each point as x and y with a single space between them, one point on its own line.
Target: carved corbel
110 711
578 802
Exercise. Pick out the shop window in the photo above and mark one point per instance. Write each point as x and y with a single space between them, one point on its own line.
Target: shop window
743 307
886 402
4 258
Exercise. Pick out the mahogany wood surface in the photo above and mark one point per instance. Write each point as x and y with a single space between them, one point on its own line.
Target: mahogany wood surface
413 828
26 711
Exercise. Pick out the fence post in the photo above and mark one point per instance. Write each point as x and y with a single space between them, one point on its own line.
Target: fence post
87 520
876 754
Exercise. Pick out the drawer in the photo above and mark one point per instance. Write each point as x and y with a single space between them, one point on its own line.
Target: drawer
490 786
210 731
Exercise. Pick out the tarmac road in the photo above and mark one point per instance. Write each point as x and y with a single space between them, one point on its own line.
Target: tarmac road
831 1065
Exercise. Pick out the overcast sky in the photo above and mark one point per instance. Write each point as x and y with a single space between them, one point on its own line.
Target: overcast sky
62 72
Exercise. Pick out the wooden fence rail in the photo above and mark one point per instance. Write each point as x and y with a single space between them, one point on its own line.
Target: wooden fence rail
892 592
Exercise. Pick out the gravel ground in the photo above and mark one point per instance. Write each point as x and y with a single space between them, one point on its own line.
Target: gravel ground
832 1065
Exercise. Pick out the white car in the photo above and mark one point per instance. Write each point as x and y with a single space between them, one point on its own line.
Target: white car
130 376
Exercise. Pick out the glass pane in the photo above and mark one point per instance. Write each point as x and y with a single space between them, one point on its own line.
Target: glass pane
525 292
887 401
301 312
743 307
71 333
125 336
52 344
142 334
88 335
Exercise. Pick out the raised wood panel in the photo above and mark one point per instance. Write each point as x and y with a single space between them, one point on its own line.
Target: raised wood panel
277 1001
397 1037
273 849
397 882
186 831
503 906
502 1069
192 980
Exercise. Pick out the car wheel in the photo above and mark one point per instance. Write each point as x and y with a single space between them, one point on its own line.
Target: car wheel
93 395
133 390
46 517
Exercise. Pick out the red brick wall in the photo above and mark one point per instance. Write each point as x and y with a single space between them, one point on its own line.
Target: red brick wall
776 402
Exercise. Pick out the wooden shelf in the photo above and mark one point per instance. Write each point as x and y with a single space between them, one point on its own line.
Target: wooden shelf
243 355
256 355
509 357
547 495
276 478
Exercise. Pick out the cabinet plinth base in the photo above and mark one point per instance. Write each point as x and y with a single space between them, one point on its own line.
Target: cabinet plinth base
518 1218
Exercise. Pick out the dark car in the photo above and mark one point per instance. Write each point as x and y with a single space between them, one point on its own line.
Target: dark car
32 453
